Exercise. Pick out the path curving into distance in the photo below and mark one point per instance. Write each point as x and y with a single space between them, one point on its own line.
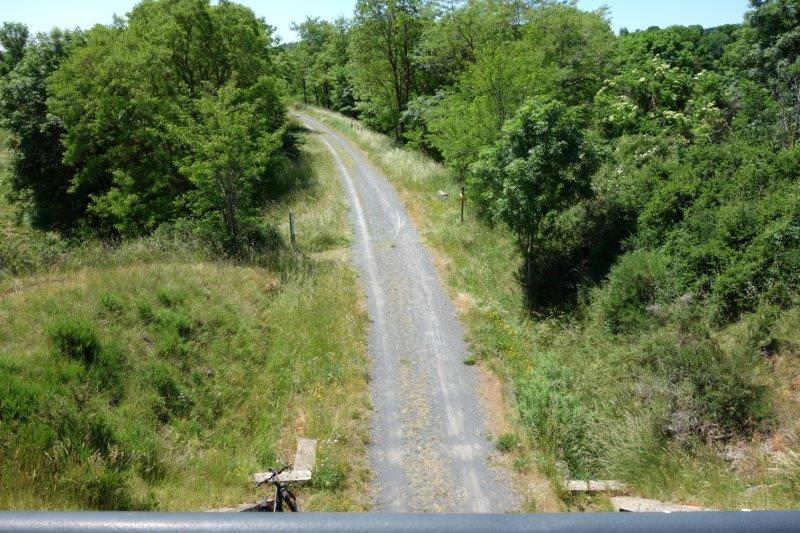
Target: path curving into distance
430 444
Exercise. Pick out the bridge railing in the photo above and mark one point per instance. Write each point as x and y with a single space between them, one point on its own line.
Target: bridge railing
706 522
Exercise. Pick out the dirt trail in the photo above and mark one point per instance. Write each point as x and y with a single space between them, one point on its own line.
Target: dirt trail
431 449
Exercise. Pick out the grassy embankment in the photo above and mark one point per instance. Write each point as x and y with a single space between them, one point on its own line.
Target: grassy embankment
154 376
572 365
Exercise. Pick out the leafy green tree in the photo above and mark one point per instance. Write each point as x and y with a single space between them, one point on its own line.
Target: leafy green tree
292 62
689 48
40 179
772 35
121 96
541 165
461 32
233 153
561 52
385 34
14 38
320 63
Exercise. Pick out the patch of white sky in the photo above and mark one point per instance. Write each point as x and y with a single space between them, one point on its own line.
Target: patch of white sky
42 15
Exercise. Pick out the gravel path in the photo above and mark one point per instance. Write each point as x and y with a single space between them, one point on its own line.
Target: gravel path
430 448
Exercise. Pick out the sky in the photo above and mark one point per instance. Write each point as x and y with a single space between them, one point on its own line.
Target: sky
41 15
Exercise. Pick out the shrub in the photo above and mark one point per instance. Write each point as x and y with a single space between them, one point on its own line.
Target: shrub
149 463
19 400
112 302
170 296
75 339
29 251
577 247
176 321
145 311
639 280
172 399
107 370
507 442
108 491
760 335
711 394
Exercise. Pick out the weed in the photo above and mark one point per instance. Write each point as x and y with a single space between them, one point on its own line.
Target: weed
112 302
328 476
507 442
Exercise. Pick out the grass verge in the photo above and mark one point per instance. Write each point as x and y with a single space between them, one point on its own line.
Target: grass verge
153 376
594 404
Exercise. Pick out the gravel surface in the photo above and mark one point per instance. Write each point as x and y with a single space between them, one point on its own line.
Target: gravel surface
430 447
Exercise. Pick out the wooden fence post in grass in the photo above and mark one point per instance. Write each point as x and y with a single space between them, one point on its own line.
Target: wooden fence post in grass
291 229
463 199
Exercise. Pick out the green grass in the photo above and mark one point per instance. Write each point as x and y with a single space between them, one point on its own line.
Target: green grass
590 403
154 376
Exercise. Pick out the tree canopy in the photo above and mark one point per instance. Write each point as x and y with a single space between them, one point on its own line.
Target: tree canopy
107 123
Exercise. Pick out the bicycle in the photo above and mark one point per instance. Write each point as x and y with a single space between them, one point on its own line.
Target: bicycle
282 495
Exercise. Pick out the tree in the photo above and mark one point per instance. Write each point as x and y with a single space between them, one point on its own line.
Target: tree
319 62
773 58
561 52
232 153
541 165
40 177
13 40
121 96
385 34
461 33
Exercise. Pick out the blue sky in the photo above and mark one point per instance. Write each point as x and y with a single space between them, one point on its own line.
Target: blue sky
41 15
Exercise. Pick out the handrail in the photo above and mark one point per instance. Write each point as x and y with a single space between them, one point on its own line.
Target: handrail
706 522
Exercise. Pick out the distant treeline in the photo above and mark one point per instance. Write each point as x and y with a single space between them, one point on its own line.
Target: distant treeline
173 115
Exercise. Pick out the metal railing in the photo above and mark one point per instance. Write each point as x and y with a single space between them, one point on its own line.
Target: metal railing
706 522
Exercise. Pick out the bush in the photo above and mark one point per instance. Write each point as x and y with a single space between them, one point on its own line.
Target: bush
29 251
710 394
75 339
639 281
19 400
170 296
577 247
107 370
172 400
108 491
112 302
507 442
177 321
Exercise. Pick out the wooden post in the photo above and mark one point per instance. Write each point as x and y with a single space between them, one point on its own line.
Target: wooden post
291 229
463 199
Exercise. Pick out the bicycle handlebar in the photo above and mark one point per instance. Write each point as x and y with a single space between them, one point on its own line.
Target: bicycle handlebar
275 473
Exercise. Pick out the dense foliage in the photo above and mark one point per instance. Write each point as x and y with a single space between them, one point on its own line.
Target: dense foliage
697 128
173 113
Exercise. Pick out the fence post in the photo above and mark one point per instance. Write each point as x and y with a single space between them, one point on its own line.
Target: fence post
463 199
291 229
